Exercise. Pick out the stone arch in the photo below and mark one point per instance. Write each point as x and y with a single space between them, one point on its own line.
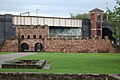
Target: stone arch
38 47
24 47
107 32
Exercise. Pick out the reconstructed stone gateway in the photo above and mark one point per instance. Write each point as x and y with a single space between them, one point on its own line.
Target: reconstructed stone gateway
39 76
33 38
61 45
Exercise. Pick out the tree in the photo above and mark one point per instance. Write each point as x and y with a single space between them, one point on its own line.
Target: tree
114 19
79 16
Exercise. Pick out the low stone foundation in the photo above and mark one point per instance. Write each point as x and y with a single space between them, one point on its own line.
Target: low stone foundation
25 64
40 76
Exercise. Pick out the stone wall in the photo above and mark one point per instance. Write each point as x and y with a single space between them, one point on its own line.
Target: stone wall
32 30
74 45
77 45
59 44
10 46
40 76
32 42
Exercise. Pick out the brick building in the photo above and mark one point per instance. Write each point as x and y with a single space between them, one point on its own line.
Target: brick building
96 20
53 34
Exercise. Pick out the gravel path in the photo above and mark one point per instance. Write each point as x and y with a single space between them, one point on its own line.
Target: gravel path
7 57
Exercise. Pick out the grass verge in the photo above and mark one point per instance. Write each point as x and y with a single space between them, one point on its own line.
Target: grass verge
75 63
1 53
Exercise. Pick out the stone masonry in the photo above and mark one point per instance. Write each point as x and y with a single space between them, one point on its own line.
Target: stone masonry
40 34
40 76
10 46
32 30
75 45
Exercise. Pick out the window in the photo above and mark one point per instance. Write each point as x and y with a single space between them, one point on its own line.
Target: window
40 36
98 25
28 37
34 36
43 27
22 36
36 27
98 17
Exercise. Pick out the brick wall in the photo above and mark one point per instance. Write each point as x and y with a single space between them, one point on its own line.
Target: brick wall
94 23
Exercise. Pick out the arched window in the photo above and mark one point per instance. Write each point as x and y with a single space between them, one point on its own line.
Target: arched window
28 37
43 27
22 36
40 36
34 36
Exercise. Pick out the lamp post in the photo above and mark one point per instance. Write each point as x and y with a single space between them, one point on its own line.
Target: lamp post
37 15
25 13
107 9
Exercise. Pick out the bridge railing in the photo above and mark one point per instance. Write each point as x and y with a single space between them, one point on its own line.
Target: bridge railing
50 21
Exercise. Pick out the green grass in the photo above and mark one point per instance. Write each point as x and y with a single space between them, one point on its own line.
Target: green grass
1 53
75 63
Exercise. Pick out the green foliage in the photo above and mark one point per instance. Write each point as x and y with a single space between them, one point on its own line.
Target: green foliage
75 63
114 19
79 16
2 53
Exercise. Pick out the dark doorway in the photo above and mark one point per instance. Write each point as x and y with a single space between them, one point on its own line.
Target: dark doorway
107 32
38 47
24 47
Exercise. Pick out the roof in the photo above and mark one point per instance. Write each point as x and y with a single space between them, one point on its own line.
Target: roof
96 10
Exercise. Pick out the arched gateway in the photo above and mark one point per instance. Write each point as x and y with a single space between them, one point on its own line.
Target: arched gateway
24 47
38 47
107 32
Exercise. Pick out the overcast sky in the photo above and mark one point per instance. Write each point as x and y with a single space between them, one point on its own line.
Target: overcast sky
53 7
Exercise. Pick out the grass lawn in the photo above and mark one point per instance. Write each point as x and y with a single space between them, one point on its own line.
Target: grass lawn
75 63
4 53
